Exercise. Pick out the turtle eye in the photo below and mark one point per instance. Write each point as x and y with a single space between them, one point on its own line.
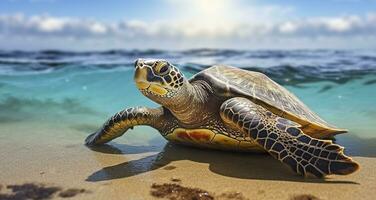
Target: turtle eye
163 69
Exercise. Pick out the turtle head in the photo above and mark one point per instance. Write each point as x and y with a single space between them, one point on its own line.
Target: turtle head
158 79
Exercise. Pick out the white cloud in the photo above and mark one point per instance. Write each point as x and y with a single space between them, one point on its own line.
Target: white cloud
98 28
185 32
49 24
288 27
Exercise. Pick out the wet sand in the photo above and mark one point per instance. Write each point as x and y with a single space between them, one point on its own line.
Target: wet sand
56 157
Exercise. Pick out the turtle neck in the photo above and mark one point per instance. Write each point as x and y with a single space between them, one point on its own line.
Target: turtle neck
191 105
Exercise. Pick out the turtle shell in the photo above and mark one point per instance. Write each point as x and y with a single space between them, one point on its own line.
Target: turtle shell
230 82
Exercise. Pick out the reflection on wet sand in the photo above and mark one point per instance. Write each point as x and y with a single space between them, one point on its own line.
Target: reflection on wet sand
231 164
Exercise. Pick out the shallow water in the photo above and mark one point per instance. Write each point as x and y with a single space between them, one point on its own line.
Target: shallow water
78 91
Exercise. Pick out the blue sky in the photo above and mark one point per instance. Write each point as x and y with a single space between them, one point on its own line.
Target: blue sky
182 24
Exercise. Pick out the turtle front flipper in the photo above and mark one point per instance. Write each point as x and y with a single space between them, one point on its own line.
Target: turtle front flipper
119 123
285 141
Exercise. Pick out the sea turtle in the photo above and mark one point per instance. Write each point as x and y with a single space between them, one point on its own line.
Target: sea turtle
224 107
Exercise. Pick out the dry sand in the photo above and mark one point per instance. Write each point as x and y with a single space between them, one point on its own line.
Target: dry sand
120 171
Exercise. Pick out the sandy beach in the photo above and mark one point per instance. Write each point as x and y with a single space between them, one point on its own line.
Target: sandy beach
123 171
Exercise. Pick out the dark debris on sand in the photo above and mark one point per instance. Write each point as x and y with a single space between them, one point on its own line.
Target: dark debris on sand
34 191
71 192
175 180
304 197
169 167
173 191
29 191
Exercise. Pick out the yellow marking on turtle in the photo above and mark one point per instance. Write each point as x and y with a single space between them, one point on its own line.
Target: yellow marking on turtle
115 127
197 137
106 136
209 139
226 143
142 85
157 89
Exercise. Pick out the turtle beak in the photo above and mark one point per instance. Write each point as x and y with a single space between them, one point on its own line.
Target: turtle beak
140 77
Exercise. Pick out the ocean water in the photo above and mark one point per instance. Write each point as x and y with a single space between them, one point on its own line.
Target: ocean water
78 91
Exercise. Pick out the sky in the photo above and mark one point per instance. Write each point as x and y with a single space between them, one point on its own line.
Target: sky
187 24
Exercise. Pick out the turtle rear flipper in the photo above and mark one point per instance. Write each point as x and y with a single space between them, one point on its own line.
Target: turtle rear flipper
285 141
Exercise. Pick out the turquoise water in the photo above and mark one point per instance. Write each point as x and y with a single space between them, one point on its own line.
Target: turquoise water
80 90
